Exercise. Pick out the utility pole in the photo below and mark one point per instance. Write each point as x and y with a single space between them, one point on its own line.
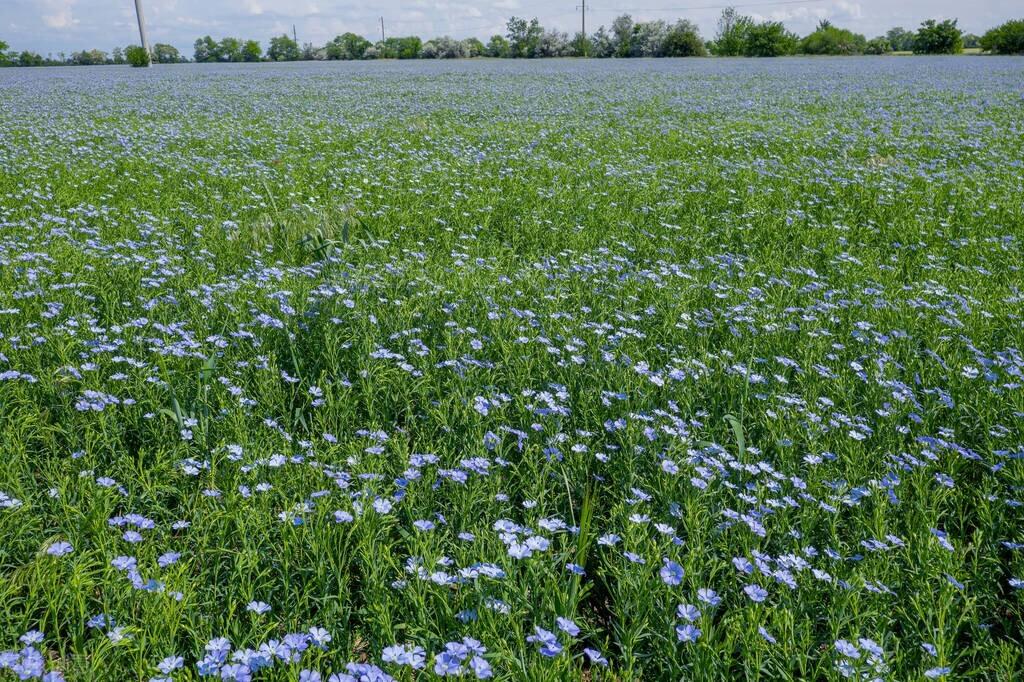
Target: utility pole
295 36
382 29
140 15
583 28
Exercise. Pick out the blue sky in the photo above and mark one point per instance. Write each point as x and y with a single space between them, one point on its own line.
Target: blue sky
52 26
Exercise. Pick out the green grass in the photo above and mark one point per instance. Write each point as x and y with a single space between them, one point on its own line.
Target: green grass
720 310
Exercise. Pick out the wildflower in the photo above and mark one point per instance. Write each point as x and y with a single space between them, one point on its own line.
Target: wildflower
547 642
258 607
688 612
567 626
687 633
708 596
671 573
756 593
59 549
481 668
170 664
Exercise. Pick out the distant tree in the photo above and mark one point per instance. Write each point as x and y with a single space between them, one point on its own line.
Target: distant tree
1005 39
683 40
579 46
251 51
900 39
408 47
554 44
769 39
523 36
879 45
117 56
472 47
971 40
498 46
166 54
347 46
647 39
27 58
602 45
89 57
136 55
733 29
938 38
828 39
206 50
229 50
283 49
622 35
444 47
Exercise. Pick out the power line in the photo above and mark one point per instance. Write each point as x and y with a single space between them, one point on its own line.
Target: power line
700 7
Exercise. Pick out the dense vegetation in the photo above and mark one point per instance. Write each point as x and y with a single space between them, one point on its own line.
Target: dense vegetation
737 35
571 370
1005 39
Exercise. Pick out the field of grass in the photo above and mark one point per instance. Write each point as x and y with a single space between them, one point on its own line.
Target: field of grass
561 370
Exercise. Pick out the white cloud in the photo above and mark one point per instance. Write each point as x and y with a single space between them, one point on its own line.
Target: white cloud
58 14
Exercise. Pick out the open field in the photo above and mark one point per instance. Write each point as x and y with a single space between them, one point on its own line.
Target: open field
659 370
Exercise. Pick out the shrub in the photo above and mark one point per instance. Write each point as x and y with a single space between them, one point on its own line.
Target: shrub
683 40
879 45
938 38
1005 39
769 39
137 56
829 39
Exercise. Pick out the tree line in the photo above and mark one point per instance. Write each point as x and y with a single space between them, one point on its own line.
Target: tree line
737 35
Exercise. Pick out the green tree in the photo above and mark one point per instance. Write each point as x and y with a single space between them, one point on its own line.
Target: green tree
622 35
166 54
523 36
828 39
733 28
900 39
251 51
879 45
683 40
1005 39
769 39
283 49
27 58
117 55
497 46
938 38
579 46
137 56
408 47
229 50
473 47
347 46
89 57
206 50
